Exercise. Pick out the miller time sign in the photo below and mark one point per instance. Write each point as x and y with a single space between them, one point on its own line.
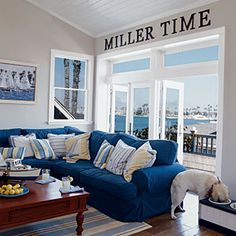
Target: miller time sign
173 26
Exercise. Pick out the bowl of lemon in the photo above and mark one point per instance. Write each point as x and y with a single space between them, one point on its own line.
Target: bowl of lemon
9 190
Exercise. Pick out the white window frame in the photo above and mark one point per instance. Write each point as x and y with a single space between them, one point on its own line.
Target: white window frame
88 87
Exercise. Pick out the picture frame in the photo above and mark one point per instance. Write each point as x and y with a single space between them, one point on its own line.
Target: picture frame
17 82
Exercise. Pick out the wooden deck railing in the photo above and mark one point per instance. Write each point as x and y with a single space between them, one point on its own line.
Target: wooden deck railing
201 144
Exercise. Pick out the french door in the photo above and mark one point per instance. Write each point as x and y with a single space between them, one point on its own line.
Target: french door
132 111
171 114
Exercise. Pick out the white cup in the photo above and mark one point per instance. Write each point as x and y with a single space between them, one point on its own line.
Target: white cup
45 174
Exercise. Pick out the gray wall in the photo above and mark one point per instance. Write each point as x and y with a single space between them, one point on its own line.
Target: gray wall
222 15
27 34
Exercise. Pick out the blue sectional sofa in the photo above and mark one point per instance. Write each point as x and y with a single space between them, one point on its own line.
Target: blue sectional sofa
147 195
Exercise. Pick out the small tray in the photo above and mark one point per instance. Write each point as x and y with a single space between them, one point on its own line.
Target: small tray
51 179
219 203
73 189
25 191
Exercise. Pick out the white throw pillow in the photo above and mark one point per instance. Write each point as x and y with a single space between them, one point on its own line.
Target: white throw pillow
119 157
24 141
57 142
143 157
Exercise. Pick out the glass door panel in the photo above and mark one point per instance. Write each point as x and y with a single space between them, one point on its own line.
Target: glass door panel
119 103
172 114
140 111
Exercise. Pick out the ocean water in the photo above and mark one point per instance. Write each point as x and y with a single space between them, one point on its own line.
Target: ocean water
17 95
142 122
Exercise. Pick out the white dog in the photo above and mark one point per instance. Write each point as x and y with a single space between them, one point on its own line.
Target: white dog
202 183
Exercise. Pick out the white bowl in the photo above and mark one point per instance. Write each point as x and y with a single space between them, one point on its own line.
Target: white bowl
233 205
219 203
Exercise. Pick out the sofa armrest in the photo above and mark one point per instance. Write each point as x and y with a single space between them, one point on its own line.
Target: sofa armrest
156 179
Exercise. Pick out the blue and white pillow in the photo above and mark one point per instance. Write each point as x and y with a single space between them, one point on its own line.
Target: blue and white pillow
42 149
23 141
57 142
13 152
119 157
103 155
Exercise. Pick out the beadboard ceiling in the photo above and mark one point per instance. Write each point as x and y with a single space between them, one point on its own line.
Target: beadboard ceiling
101 17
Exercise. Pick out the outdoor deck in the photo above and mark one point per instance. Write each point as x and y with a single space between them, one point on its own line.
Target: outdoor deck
200 162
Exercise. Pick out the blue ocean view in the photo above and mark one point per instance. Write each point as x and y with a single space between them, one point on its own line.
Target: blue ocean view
141 122
20 95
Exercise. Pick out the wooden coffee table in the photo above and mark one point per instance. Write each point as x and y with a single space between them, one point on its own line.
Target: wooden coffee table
42 202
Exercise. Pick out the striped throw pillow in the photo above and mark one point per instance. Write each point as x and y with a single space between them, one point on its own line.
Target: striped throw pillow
23 141
77 147
57 142
42 149
143 157
13 152
119 157
103 155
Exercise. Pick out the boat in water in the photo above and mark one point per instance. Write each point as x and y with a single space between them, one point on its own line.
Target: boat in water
15 170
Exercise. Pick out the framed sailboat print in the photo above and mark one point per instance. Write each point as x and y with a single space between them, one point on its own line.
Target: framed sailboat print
17 82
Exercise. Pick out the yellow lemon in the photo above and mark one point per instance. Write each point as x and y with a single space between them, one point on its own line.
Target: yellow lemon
6 192
12 191
9 187
21 190
4 186
2 191
16 186
17 191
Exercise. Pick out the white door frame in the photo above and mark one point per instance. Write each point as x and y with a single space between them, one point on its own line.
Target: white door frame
180 87
118 88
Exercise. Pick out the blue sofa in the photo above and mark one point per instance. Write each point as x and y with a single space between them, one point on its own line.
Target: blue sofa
147 195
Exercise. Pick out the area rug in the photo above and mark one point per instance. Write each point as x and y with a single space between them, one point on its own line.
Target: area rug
95 223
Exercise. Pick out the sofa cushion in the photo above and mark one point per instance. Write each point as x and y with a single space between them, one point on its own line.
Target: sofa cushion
96 139
143 157
109 183
23 141
57 142
63 168
166 151
42 149
77 147
73 130
13 152
5 134
42 133
119 157
44 164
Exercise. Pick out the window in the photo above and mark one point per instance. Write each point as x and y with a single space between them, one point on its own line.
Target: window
191 56
70 86
134 65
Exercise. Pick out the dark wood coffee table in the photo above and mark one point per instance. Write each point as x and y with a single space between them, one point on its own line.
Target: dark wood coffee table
42 202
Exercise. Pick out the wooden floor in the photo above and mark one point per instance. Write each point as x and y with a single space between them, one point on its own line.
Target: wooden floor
185 225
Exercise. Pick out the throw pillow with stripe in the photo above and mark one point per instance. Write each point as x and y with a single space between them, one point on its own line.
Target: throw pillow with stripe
57 142
13 152
77 147
143 157
23 141
42 149
103 155
119 157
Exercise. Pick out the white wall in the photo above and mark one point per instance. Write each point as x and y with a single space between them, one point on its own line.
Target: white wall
27 34
222 15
